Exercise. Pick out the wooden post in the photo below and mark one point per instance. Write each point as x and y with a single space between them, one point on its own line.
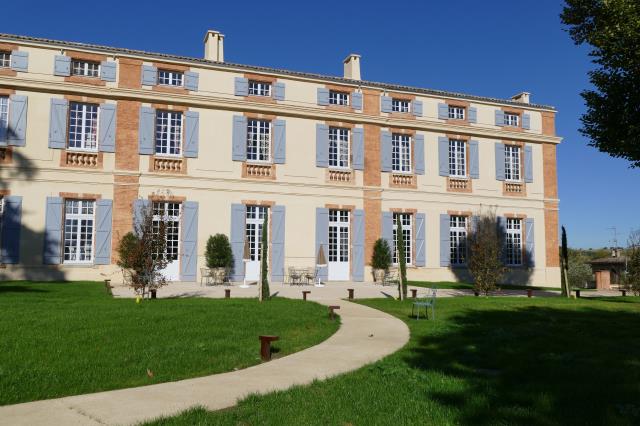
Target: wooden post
227 293
578 294
529 293
154 293
265 346
624 293
304 294
414 293
332 309
350 290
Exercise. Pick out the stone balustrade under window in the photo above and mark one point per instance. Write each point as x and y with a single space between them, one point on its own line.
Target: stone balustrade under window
340 176
168 165
81 159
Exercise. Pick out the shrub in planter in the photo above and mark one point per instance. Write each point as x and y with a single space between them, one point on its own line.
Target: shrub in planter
381 259
218 253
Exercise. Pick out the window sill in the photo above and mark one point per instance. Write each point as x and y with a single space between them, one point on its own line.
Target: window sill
8 72
459 184
263 99
402 115
340 176
254 170
514 189
93 81
402 180
167 164
81 159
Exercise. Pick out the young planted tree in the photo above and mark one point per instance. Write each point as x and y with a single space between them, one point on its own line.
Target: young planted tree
264 285
218 252
143 252
484 247
402 261
381 258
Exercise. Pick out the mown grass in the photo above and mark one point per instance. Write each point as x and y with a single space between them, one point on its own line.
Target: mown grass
457 285
62 339
540 361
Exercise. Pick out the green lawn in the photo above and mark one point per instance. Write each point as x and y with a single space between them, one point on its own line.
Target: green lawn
457 285
60 339
540 361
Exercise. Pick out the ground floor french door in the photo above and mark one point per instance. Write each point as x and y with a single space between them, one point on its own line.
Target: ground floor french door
253 234
171 213
339 243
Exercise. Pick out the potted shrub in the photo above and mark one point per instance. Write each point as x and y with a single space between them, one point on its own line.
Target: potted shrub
219 255
381 259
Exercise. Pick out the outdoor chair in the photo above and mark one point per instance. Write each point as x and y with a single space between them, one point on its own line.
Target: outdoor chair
310 275
428 302
218 276
205 276
391 277
294 276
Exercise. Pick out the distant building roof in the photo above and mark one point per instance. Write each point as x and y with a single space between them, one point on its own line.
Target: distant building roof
609 260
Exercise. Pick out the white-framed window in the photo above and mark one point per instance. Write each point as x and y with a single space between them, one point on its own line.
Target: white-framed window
253 230
339 147
259 88
4 114
170 78
338 98
401 153
338 235
78 230
458 239
456 112
85 68
512 163
400 105
258 140
514 241
5 59
83 126
406 220
170 213
511 119
457 158
168 133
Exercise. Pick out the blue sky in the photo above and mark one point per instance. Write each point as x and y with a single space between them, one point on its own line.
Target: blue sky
488 48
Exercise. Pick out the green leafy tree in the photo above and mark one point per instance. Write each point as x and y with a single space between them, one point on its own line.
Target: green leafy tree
264 285
485 244
631 278
218 252
612 29
579 271
402 261
381 258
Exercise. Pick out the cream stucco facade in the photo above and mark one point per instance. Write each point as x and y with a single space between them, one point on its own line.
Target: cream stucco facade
33 170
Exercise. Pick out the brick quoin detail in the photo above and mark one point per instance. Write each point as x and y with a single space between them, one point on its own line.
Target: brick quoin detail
127 157
125 192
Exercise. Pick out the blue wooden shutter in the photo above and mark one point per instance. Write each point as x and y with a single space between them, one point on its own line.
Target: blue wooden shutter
474 160
239 138
140 208
58 123
356 100
322 145
528 164
499 117
385 151
443 111
529 239
387 229
358 245
499 161
11 226
191 80
241 86
357 145
277 243
416 106
443 156
322 237
237 236
473 115
279 141
419 154
104 212
421 250
189 252
445 243
146 131
107 128
385 104
17 131
526 121
191 133
323 96
108 71
62 66
19 60
279 91
149 75
52 250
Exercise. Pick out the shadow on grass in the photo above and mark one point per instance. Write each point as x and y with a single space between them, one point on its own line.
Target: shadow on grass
536 365
20 289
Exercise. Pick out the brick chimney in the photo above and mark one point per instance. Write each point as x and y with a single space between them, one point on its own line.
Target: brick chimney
522 97
214 46
352 67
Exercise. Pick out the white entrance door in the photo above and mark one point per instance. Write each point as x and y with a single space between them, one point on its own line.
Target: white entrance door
339 245
171 213
253 235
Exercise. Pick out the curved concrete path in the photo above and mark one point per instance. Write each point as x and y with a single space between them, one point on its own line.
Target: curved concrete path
366 335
